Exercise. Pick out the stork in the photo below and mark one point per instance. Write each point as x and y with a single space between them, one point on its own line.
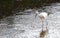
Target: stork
43 16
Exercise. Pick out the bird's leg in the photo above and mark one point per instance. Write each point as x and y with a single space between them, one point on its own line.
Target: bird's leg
46 23
42 24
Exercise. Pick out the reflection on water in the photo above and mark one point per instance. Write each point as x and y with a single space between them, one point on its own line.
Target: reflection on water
26 26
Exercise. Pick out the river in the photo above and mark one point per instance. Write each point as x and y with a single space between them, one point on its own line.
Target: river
27 26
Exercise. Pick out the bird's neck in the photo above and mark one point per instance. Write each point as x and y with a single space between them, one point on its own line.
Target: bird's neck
37 12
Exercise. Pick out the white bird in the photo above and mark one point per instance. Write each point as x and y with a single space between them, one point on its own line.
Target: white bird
43 16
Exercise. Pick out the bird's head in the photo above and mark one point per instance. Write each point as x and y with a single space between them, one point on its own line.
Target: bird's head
36 13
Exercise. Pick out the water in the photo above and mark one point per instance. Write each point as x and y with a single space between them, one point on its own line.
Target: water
26 26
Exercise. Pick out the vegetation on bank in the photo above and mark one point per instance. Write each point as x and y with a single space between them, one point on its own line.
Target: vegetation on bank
9 7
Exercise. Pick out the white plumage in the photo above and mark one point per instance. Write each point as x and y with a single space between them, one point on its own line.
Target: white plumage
43 15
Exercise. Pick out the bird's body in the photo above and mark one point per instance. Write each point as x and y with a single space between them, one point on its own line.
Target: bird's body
42 15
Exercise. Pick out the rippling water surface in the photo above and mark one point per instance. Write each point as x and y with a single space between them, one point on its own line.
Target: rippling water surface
26 26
